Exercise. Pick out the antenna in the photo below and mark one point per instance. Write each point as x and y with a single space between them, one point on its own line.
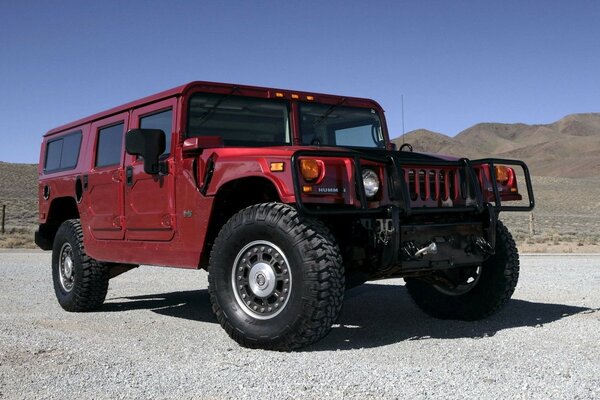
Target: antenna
402 97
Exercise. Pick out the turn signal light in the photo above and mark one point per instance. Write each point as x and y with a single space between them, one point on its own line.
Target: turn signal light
311 169
506 176
277 167
501 174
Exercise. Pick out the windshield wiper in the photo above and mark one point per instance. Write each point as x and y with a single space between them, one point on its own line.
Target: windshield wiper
323 117
211 110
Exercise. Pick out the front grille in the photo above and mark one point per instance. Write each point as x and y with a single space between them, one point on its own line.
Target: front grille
438 187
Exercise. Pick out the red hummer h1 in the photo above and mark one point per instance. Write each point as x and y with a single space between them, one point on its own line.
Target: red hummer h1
286 198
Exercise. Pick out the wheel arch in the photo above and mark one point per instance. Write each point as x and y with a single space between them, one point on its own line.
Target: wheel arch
60 210
232 197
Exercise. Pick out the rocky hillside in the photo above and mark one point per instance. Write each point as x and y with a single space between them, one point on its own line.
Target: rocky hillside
569 147
18 193
18 181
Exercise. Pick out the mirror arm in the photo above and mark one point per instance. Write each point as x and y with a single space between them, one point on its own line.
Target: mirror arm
163 168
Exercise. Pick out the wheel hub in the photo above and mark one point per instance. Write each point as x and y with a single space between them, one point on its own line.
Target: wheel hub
66 275
467 282
261 280
68 267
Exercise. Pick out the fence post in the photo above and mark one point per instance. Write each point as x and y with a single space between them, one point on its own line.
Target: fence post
3 216
531 225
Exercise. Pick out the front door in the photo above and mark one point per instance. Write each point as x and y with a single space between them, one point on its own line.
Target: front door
105 180
150 199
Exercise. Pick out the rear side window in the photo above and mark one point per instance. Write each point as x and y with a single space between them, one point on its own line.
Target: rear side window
63 153
110 142
162 120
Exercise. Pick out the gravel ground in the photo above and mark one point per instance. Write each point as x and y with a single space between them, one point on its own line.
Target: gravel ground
156 337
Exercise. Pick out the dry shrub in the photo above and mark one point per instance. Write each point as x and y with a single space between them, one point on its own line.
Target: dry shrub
17 240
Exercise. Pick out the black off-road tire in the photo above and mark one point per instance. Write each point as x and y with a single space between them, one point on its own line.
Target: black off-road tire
316 293
497 282
84 289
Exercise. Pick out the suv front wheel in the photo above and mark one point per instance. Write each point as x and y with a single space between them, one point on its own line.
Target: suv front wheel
276 279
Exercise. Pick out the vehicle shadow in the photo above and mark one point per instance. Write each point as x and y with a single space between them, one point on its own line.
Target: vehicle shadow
377 315
374 315
192 304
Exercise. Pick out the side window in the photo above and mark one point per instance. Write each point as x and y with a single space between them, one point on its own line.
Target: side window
110 143
53 152
161 120
70 151
63 153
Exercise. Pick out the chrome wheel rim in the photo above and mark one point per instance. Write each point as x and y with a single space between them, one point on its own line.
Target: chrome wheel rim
66 271
261 279
462 288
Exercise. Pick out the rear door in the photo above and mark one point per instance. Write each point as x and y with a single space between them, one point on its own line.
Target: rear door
105 180
150 199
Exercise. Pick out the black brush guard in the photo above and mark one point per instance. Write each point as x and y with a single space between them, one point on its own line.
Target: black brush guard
398 186
396 255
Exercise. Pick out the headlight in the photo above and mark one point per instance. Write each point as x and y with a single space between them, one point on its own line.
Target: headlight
370 182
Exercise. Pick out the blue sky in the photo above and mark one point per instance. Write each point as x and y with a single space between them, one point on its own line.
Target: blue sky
457 63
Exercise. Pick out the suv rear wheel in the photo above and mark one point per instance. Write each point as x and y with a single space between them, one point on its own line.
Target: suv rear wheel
276 279
478 291
80 282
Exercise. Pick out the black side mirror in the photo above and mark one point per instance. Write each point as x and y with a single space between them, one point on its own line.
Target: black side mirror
148 143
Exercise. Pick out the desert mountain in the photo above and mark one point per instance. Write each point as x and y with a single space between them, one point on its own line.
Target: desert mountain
569 147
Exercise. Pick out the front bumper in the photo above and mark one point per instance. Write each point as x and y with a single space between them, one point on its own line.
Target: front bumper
400 244
463 234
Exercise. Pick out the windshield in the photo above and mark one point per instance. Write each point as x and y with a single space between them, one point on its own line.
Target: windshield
240 121
338 125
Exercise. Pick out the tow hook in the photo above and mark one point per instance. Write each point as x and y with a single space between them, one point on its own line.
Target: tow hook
384 230
483 246
429 249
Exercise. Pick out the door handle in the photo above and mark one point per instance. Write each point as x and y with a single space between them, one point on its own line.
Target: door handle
129 175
